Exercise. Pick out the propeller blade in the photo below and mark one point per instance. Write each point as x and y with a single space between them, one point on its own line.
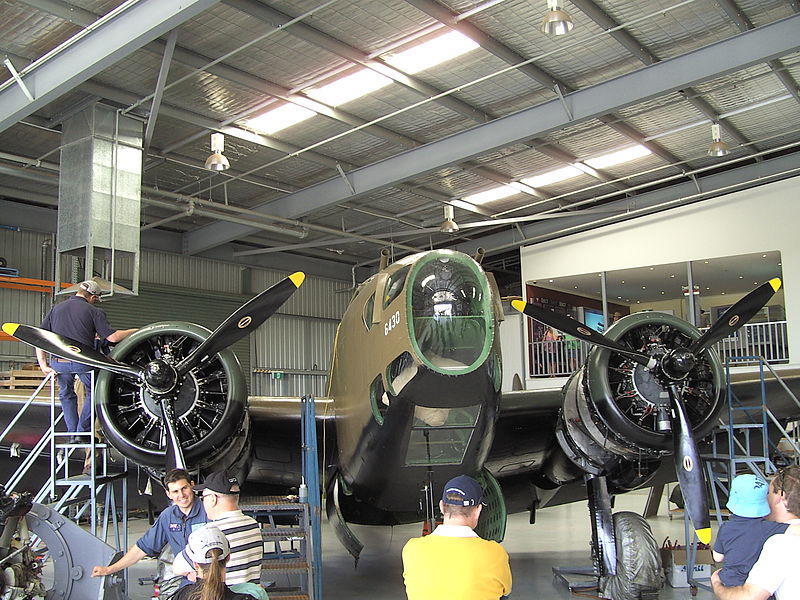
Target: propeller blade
243 321
174 452
572 327
689 468
737 315
67 348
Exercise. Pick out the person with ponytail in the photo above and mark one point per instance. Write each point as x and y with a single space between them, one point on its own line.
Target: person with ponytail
208 550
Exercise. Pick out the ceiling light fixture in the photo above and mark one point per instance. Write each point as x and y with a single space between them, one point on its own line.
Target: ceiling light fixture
556 21
448 225
217 160
717 147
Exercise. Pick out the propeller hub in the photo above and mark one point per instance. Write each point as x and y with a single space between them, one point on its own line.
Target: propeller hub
677 363
160 377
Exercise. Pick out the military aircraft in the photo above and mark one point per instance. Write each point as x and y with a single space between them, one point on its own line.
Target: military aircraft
414 385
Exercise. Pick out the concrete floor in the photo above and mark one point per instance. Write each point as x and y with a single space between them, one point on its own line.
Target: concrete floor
560 537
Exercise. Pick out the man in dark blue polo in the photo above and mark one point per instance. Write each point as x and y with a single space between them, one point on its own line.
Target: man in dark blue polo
78 319
172 527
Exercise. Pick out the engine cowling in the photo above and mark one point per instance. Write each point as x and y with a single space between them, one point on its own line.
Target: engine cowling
615 417
210 406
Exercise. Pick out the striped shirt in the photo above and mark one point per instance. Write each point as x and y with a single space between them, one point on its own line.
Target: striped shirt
247 547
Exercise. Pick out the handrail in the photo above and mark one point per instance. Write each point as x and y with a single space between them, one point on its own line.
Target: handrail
35 452
51 378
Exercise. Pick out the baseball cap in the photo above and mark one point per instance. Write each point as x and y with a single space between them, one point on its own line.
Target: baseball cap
220 482
748 497
462 491
91 287
204 539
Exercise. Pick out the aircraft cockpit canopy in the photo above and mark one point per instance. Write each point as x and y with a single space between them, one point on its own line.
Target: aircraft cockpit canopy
450 313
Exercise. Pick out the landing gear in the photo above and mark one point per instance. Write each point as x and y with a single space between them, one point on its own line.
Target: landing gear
638 570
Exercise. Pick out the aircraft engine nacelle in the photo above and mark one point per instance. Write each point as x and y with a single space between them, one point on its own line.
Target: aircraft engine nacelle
615 419
210 404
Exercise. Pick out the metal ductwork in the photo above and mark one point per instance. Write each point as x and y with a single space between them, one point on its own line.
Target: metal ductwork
99 192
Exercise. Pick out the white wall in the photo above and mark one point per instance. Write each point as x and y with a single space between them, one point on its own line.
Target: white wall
755 220
512 348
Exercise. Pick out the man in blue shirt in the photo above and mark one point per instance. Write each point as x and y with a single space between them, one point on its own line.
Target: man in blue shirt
172 527
78 319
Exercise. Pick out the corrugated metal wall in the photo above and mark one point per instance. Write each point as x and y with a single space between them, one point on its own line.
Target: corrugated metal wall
326 298
186 288
299 347
29 253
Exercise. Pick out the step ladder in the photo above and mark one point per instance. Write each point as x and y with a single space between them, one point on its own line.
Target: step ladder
291 525
285 528
68 491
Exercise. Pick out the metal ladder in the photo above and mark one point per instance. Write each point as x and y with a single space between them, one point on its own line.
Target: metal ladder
291 526
80 493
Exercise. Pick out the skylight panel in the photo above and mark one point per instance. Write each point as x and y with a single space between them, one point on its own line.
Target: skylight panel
552 177
433 52
618 157
349 88
504 191
280 118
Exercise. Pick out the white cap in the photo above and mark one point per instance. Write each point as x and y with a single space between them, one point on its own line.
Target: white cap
91 287
204 539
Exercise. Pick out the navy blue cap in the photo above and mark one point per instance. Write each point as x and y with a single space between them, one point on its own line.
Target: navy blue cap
462 491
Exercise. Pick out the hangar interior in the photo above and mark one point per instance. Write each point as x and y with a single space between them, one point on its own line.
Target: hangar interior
652 136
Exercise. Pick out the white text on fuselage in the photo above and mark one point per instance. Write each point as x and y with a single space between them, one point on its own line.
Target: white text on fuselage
393 322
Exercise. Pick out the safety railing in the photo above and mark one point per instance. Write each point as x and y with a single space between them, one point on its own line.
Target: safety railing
560 358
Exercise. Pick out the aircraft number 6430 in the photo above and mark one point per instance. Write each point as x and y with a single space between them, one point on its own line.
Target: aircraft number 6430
393 322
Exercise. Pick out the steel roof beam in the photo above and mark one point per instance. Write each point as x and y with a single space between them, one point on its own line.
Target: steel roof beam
195 60
558 153
715 184
738 16
625 39
725 56
339 48
488 43
180 114
538 74
92 51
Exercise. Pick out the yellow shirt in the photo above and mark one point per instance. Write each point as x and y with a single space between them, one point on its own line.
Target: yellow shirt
467 568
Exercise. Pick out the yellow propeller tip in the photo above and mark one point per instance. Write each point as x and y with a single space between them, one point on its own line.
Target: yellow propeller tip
297 278
775 283
10 328
704 535
519 305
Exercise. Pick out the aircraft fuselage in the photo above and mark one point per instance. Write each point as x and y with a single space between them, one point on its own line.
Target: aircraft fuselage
415 378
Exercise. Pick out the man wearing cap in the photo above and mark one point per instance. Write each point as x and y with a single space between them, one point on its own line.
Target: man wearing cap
742 536
454 562
78 319
776 570
173 526
220 497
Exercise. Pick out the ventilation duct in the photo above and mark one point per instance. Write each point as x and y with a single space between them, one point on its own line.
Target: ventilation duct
99 195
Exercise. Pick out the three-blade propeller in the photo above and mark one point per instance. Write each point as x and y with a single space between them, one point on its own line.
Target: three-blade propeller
162 379
671 368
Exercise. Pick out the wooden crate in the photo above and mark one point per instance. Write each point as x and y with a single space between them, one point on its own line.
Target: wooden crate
21 379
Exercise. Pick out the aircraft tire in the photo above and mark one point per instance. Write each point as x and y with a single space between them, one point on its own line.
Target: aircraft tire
638 559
